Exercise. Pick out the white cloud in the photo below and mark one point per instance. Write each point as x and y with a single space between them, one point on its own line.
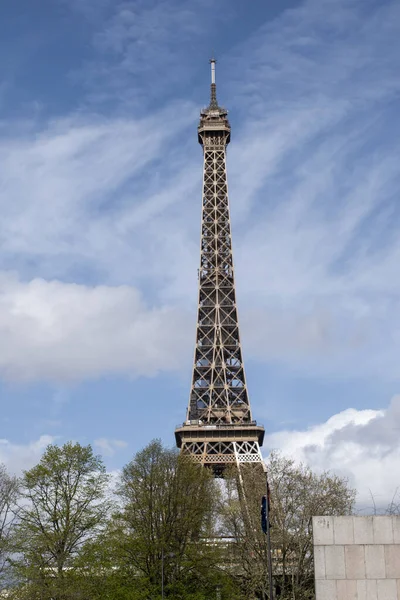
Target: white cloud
58 331
312 179
362 445
313 199
69 189
109 447
19 457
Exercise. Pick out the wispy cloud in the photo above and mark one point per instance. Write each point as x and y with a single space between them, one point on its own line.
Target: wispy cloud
145 49
109 447
313 185
69 190
317 257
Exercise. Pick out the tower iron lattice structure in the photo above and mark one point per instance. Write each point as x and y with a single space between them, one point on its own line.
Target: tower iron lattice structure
219 429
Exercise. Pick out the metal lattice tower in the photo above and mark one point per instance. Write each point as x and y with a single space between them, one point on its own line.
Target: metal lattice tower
219 429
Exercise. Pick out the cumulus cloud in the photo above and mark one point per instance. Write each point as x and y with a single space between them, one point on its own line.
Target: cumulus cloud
59 331
362 445
19 457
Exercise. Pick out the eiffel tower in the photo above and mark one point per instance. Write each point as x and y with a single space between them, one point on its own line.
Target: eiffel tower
219 429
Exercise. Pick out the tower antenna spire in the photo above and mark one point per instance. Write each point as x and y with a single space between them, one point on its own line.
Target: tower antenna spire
212 63
213 99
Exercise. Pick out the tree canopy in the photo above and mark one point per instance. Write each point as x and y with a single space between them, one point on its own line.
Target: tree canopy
164 534
64 506
167 529
297 494
9 489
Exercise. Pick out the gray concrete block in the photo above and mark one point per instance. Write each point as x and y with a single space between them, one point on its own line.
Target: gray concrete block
363 530
361 589
355 562
334 562
357 558
387 589
343 530
367 590
326 590
396 529
375 562
372 590
346 590
383 530
319 562
322 531
392 561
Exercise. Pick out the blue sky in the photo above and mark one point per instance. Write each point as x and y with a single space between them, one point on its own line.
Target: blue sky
100 197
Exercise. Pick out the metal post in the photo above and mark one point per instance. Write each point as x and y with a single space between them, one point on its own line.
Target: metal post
269 554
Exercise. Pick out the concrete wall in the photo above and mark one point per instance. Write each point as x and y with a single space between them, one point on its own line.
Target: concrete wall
357 558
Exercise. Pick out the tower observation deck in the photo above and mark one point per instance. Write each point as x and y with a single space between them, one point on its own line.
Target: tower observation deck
219 429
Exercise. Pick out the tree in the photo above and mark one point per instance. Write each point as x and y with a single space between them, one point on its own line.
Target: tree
297 494
393 507
64 507
165 529
8 498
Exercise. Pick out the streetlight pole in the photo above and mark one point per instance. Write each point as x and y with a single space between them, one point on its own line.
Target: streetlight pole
267 530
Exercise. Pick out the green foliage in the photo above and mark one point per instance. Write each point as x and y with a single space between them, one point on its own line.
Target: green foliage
8 498
297 495
63 508
162 529
171 526
167 524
